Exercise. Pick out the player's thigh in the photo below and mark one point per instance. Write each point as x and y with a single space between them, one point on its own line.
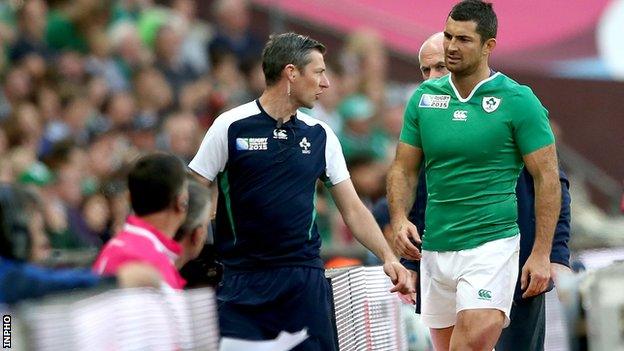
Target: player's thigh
487 276
438 291
477 329
441 338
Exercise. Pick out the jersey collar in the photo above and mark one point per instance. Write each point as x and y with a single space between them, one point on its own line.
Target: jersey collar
292 120
493 76
136 226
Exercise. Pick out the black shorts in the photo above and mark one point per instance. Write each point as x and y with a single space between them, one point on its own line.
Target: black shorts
258 305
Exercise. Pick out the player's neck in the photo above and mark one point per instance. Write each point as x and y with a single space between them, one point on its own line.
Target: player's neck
163 221
277 103
465 83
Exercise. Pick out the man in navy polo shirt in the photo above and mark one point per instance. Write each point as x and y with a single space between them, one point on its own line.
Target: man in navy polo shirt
266 158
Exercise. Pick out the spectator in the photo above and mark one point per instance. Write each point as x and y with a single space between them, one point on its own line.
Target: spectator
70 73
365 61
368 177
100 62
196 229
24 128
67 162
196 35
142 135
129 10
229 80
159 197
32 21
120 111
180 135
359 137
233 32
327 108
169 61
153 94
76 114
129 51
97 92
195 96
97 215
17 88
23 246
70 24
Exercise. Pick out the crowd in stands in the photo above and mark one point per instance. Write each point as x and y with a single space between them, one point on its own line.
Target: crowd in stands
88 85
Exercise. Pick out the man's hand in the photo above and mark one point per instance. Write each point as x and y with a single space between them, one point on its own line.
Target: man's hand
400 277
402 233
535 275
410 299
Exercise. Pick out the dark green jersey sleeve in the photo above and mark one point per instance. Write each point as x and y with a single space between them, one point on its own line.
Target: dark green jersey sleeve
410 133
530 123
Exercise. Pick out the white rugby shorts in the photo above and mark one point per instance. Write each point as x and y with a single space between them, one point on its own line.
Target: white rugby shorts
481 277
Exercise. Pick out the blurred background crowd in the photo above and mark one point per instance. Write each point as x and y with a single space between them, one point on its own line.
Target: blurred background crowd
87 85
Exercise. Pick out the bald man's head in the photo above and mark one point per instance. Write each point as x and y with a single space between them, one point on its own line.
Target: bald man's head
431 57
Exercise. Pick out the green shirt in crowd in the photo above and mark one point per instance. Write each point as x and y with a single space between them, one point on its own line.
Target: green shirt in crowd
473 150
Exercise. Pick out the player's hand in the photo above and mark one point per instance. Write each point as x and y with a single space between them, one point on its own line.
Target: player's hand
400 277
535 275
402 233
410 299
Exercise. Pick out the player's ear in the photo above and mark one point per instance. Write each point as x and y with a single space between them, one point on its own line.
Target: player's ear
181 203
489 46
290 71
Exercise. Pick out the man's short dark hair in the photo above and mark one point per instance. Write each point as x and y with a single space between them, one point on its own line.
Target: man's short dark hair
154 182
481 13
284 49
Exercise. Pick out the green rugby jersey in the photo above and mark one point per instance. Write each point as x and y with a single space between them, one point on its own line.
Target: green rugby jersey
473 151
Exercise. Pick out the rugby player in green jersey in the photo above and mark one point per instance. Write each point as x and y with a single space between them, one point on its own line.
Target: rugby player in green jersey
475 129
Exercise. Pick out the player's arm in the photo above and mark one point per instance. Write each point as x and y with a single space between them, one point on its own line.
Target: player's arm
402 181
212 157
214 191
560 252
542 164
201 179
363 226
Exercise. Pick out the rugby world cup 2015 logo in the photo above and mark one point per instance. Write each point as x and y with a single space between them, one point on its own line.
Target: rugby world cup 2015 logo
252 144
434 101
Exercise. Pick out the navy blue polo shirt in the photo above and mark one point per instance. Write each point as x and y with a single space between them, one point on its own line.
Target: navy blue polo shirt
267 178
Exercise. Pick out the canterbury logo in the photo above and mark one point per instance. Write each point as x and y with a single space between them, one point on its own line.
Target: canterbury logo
485 294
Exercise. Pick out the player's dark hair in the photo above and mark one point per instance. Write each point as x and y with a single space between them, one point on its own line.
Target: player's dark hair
284 49
481 12
155 181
